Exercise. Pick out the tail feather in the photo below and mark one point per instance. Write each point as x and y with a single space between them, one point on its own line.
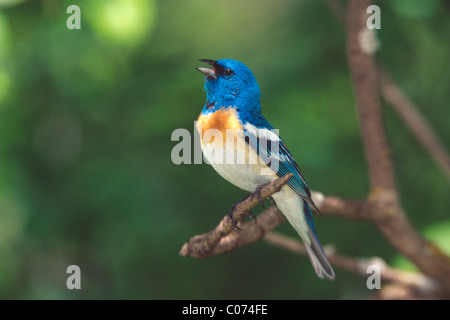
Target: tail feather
292 206
318 258
314 248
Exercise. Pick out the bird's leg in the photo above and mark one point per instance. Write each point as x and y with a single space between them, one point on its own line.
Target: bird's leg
251 214
257 190
230 213
261 202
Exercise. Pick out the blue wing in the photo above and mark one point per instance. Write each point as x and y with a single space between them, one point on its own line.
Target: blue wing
269 147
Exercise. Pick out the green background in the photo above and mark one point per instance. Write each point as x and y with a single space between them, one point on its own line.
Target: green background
86 118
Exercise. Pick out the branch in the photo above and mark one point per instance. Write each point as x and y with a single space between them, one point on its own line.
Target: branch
251 232
204 245
404 107
343 208
414 280
414 120
225 237
387 212
364 75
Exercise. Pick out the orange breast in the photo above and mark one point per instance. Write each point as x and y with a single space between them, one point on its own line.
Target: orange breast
222 119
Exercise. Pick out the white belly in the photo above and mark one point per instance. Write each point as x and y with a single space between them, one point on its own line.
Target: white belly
247 171
248 176
291 204
244 169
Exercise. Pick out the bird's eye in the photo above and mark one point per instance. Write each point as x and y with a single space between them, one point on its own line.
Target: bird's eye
228 72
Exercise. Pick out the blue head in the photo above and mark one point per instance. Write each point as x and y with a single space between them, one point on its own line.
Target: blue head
230 83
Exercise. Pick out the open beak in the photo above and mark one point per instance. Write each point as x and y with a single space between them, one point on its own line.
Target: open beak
209 73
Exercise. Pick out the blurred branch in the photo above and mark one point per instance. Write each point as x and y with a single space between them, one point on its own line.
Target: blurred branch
404 107
343 208
397 291
420 283
414 120
387 211
364 75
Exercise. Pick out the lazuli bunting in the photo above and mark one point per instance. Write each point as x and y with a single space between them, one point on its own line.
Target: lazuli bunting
245 149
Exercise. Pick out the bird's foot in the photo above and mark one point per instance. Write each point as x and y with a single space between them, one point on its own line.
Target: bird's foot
251 214
261 200
230 213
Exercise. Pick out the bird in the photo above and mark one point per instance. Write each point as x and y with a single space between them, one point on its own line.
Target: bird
234 133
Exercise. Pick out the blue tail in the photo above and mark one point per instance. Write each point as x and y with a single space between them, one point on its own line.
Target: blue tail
315 251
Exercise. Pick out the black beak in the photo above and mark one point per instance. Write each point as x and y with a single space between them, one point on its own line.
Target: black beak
209 73
212 63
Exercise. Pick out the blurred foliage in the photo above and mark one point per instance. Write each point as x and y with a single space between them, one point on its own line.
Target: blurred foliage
86 118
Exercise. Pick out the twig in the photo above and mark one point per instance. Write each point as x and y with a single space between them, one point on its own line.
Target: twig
203 245
225 237
343 208
414 120
414 280
251 232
